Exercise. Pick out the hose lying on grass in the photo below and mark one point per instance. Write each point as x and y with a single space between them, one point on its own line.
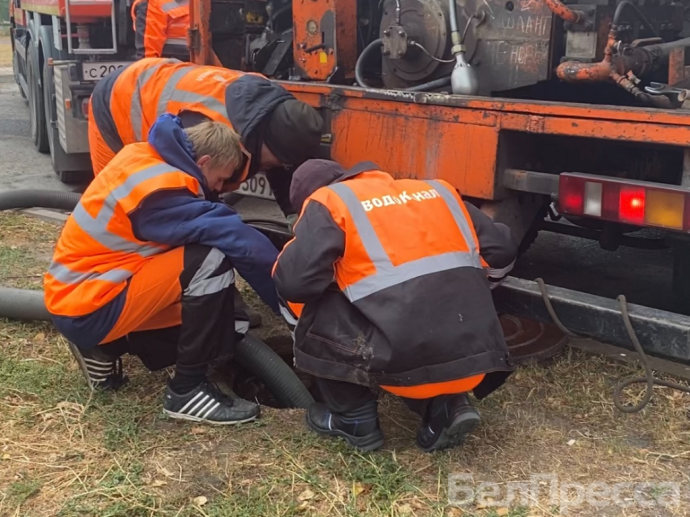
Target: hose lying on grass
251 353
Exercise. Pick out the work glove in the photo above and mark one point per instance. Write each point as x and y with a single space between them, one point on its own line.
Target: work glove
497 276
291 219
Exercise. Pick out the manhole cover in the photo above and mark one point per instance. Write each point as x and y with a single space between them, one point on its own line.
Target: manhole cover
530 341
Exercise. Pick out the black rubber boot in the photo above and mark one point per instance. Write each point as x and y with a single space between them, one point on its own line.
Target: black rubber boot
244 312
360 427
448 421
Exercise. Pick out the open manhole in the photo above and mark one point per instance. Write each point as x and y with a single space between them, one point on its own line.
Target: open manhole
530 341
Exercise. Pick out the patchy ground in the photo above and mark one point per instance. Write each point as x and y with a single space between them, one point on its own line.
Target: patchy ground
66 453
5 51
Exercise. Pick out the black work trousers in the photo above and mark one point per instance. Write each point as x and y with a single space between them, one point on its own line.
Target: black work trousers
341 397
207 331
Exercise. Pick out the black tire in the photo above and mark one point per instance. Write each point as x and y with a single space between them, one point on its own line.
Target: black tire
37 113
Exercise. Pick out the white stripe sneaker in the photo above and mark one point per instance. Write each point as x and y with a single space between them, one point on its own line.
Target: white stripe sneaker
206 403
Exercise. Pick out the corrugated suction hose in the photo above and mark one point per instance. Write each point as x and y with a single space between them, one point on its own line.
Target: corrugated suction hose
251 353
30 198
257 357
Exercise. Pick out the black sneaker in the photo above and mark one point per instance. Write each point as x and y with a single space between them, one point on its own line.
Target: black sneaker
447 423
360 428
101 370
207 403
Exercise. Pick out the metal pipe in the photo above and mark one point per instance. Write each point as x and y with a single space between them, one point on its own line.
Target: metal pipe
575 71
453 15
565 12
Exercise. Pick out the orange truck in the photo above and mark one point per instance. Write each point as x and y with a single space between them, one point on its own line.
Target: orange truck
566 116
61 49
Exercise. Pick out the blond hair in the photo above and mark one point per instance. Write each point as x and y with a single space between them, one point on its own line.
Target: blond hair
218 141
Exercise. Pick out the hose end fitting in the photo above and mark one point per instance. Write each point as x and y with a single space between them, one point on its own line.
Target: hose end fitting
463 79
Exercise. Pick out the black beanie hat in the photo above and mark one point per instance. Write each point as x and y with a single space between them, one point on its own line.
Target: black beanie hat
293 132
310 177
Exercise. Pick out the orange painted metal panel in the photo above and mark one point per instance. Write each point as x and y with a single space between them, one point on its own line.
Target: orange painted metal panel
628 114
325 37
416 134
420 147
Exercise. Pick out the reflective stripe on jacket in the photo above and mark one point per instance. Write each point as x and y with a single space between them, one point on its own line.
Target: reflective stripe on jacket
382 251
151 87
97 251
392 277
161 27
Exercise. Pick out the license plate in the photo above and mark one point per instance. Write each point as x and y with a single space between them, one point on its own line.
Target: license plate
256 186
97 71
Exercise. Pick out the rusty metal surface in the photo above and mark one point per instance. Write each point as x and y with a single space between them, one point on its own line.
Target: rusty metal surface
201 47
530 341
325 38
677 71
565 12
511 49
424 22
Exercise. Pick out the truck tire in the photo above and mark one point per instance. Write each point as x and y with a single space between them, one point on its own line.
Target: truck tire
37 114
59 159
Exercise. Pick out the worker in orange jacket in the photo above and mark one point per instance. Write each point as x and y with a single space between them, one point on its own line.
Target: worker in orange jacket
277 130
145 266
160 28
392 277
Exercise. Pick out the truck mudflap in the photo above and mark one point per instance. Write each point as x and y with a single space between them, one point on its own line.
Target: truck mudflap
661 333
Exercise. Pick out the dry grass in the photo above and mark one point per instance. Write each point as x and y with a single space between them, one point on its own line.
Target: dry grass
5 51
66 453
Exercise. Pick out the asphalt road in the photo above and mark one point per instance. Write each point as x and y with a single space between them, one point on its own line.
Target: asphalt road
643 276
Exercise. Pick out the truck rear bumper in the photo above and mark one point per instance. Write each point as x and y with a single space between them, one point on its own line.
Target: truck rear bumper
661 333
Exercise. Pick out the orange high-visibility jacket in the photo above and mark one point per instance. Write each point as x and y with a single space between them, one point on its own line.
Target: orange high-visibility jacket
97 251
150 87
395 271
161 28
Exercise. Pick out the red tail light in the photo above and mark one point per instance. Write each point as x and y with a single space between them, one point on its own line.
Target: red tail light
639 203
631 204
85 107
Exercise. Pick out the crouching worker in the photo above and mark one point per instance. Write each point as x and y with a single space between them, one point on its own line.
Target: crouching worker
392 277
145 264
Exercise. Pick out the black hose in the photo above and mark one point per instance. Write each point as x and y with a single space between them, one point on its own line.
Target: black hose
23 304
359 75
30 198
620 8
648 377
262 361
436 83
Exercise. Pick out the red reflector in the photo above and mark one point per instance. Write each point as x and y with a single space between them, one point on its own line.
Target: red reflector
631 207
571 195
85 107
